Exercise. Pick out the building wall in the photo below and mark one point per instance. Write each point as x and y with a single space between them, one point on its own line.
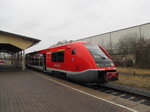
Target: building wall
108 40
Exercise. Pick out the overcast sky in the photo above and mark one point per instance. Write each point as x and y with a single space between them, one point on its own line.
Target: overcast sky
55 20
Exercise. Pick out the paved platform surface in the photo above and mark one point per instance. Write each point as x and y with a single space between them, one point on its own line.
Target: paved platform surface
7 67
27 92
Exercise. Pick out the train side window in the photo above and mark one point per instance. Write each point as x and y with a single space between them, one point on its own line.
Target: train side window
58 56
54 57
73 51
41 62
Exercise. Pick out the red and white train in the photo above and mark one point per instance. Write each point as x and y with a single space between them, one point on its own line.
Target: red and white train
2 61
78 61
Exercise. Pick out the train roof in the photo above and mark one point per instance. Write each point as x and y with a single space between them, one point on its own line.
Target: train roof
45 50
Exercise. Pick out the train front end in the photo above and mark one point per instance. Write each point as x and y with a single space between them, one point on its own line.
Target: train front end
103 63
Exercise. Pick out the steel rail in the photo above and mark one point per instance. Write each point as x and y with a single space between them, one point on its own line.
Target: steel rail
124 88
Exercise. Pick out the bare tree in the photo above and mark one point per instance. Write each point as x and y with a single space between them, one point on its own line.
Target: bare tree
62 42
132 44
128 43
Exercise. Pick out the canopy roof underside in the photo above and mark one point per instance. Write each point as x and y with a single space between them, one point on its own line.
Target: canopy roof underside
10 42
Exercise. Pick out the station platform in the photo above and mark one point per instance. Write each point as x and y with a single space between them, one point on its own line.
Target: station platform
9 67
25 91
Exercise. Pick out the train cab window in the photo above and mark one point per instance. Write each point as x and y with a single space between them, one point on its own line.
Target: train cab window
73 51
58 56
96 51
99 56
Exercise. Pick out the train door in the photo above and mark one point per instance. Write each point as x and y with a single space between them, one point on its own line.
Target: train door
71 61
44 61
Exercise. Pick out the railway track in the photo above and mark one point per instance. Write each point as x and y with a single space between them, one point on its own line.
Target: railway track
124 88
126 92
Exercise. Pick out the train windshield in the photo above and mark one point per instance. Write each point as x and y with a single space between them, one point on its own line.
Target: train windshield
96 51
99 56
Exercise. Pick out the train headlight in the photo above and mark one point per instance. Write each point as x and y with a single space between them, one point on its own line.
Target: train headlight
104 64
112 64
97 64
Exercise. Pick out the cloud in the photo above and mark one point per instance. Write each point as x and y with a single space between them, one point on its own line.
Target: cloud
55 20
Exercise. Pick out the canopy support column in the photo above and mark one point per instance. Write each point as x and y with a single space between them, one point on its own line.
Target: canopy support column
23 60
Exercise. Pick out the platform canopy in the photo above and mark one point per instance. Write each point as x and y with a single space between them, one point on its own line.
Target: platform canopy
12 43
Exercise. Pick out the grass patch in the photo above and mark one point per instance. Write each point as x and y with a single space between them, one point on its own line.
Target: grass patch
132 70
134 81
